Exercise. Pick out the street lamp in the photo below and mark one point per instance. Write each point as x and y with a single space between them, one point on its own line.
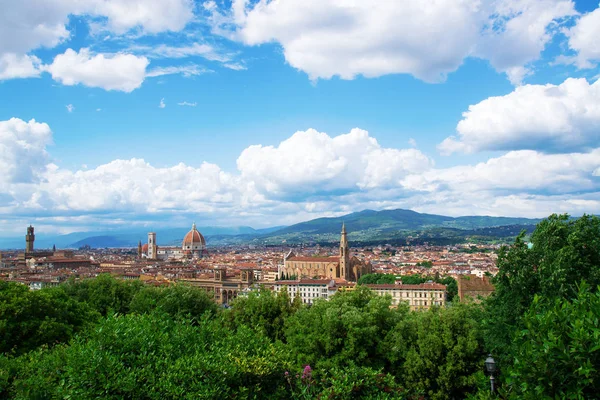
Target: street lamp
490 365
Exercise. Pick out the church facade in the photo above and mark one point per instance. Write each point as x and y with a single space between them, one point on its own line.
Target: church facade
345 266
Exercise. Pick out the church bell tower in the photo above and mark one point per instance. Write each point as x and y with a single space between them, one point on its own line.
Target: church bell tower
152 250
344 254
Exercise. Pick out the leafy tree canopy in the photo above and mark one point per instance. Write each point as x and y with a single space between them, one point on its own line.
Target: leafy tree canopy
558 351
564 252
31 318
105 294
263 311
179 301
438 352
346 330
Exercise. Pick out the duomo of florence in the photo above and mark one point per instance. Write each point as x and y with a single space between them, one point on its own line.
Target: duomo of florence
193 246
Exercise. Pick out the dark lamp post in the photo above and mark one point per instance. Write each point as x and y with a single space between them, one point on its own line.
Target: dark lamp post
490 365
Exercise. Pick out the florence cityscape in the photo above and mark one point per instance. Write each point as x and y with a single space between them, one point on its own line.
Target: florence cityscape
300 199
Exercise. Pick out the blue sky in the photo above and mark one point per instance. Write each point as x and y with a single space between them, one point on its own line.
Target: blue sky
120 113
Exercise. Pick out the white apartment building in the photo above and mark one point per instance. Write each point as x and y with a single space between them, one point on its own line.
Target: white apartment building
308 289
421 296
418 297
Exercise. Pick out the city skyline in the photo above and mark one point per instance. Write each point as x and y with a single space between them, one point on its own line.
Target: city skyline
139 114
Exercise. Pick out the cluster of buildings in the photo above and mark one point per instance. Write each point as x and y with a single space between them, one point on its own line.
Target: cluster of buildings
193 246
228 272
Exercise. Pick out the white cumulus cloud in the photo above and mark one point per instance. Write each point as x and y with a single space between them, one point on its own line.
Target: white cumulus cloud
23 155
312 161
524 170
150 16
27 25
552 118
135 185
310 174
123 72
517 31
583 38
18 66
427 39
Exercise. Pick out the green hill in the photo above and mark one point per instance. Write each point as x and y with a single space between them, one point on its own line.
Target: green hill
396 226
395 220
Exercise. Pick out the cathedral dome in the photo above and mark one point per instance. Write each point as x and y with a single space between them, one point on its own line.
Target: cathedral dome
193 240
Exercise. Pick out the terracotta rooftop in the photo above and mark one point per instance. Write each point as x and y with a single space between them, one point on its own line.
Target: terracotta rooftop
472 283
314 259
304 282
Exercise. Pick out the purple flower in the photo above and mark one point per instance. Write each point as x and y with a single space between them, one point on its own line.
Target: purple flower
286 373
307 373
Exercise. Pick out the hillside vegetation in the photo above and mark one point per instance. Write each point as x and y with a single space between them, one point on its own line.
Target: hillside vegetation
400 227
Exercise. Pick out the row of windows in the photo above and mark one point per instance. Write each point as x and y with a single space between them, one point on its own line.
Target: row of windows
317 265
408 294
302 288
312 295
309 289
419 302
424 303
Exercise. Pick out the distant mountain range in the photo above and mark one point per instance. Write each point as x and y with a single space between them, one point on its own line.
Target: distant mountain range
366 227
395 220
401 226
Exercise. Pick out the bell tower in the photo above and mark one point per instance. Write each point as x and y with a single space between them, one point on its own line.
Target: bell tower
152 245
344 254
29 239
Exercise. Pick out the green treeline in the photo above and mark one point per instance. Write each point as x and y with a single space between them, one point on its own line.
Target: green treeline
106 338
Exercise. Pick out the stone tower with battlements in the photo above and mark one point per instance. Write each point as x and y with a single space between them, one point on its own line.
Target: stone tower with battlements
29 239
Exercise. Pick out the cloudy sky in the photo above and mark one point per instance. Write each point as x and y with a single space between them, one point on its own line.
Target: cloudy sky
121 113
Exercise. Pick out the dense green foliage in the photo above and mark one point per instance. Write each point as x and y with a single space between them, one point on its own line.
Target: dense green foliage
105 294
178 301
377 279
264 312
558 351
106 338
152 357
347 330
29 319
533 284
438 352
565 252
